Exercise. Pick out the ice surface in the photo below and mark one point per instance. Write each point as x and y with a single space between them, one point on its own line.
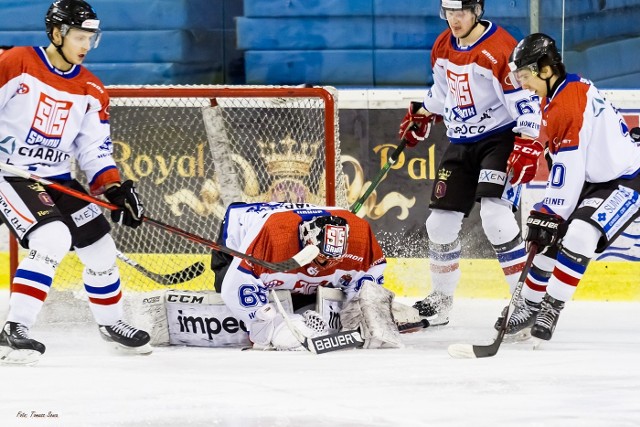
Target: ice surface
588 375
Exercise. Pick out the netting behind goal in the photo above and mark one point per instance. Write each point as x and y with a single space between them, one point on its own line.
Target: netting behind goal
194 150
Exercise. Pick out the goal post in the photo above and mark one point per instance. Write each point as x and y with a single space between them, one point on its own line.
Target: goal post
193 150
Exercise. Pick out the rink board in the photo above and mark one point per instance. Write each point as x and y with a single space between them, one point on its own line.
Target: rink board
409 277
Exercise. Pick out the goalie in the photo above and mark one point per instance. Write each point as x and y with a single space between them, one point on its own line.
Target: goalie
347 276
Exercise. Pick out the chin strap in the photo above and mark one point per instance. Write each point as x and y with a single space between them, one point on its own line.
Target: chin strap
59 50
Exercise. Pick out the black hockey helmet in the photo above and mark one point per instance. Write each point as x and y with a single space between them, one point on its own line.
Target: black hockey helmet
534 51
68 14
329 233
476 5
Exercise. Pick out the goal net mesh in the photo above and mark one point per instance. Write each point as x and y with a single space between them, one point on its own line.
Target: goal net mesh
193 151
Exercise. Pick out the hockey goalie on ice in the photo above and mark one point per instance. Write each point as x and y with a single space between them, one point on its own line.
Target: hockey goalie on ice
336 301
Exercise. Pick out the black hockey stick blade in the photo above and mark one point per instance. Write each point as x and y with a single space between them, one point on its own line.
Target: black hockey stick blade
333 342
181 276
469 351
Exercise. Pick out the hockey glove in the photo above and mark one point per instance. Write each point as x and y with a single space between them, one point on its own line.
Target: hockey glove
126 198
543 229
416 125
523 161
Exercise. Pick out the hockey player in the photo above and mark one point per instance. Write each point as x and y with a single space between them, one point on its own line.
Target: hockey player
484 113
592 193
52 110
350 260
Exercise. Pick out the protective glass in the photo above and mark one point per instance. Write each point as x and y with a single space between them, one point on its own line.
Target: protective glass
523 75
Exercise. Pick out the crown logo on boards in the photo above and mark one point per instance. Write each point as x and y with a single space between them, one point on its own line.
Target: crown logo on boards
288 158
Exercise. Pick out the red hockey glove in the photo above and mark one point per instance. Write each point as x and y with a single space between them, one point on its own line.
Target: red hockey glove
415 127
543 229
523 161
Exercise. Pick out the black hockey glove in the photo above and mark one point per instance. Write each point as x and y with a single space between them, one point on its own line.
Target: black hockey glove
543 229
131 209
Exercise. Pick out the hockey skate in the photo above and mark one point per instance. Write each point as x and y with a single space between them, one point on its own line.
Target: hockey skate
521 320
126 338
547 318
435 308
16 348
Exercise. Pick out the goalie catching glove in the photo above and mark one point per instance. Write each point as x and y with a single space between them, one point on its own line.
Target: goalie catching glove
523 161
270 331
126 198
416 125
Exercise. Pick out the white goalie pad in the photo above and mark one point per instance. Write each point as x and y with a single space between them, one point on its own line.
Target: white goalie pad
199 319
370 311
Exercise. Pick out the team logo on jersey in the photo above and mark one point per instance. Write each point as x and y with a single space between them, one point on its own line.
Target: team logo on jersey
45 199
23 89
49 122
8 144
460 87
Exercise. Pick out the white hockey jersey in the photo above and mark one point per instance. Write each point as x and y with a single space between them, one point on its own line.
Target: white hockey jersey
269 231
588 141
472 89
48 117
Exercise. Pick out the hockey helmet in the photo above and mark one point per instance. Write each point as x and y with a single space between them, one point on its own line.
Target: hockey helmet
476 5
329 233
68 14
533 52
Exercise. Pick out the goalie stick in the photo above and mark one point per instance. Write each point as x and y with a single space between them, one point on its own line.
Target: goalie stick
468 351
304 257
324 343
184 275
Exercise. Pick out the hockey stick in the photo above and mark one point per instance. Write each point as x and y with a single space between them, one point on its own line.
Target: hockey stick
304 257
468 351
393 158
324 343
184 275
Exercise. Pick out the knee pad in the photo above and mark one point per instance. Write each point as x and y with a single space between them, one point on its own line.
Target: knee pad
52 239
581 238
444 226
498 222
99 256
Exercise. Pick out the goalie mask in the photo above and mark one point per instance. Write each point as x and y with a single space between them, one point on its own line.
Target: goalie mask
329 233
77 14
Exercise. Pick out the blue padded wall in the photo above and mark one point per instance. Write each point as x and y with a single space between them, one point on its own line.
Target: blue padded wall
144 41
392 38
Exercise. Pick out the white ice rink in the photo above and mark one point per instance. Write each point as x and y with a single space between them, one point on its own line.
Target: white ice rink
588 375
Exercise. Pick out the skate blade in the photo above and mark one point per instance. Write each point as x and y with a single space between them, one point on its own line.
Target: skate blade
10 356
521 336
123 349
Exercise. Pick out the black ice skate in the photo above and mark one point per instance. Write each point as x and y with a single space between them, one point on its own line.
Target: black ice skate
521 320
547 318
16 347
126 337
435 308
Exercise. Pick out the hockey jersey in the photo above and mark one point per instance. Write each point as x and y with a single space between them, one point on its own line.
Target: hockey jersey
472 88
588 141
49 117
270 232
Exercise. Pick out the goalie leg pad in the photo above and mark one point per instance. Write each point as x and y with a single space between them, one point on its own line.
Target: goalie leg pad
370 310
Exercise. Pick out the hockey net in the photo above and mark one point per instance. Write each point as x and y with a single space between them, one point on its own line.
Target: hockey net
192 151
